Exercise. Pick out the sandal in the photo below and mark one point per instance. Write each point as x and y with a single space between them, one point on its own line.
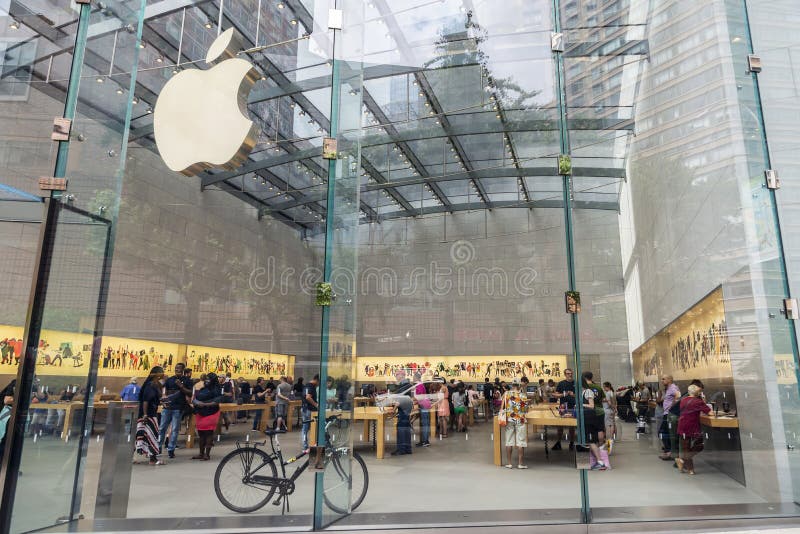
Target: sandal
522 466
679 462
508 466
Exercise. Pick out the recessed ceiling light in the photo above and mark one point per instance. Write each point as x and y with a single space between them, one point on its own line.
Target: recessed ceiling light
141 45
120 91
280 5
100 79
14 25
208 24
135 100
293 22
149 110
159 59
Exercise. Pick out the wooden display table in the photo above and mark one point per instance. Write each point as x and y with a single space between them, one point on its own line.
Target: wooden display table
719 422
372 415
66 406
536 418
362 401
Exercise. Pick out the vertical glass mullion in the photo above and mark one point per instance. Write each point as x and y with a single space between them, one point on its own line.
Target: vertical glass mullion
566 191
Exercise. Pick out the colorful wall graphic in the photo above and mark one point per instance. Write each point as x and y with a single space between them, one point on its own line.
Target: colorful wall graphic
466 368
695 345
68 353
238 362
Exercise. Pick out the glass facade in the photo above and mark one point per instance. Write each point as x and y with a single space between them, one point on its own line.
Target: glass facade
529 261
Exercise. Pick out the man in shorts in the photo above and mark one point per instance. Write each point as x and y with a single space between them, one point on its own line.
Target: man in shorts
515 405
282 394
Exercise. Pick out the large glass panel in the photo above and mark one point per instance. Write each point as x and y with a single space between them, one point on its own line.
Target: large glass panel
680 276
54 418
453 291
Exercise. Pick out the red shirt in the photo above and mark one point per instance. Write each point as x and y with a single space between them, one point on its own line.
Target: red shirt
689 420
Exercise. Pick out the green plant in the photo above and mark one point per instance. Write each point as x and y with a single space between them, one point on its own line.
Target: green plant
324 294
564 164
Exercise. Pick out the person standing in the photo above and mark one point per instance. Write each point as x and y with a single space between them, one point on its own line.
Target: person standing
565 393
309 408
689 431
130 392
282 397
610 414
488 394
176 389
206 405
515 406
403 404
443 411
669 422
424 406
147 437
592 422
460 408
245 392
260 394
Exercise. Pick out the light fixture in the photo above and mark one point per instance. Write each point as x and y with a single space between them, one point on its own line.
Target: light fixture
159 59
293 22
14 25
208 24
149 110
280 5
736 39
99 79
135 100
141 44
120 91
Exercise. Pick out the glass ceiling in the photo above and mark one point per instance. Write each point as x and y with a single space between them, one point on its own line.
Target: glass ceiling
458 104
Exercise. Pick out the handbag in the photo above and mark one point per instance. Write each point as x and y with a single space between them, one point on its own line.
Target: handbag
502 418
696 444
5 414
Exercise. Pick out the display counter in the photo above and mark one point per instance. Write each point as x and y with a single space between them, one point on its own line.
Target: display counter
540 416
723 446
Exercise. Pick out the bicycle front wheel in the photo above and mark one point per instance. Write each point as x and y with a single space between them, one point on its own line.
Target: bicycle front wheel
342 473
233 481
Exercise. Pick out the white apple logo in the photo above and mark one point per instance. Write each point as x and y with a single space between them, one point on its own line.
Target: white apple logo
200 121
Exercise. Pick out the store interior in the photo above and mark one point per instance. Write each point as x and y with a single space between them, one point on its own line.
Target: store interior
454 238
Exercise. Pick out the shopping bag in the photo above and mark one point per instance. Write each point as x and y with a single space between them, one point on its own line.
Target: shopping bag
5 414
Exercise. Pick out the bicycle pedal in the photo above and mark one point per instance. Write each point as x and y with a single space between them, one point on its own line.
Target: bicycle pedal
277 502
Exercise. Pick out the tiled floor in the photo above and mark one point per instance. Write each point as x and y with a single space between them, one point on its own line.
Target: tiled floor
453 478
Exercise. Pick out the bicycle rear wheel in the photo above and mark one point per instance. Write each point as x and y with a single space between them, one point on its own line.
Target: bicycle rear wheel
233 479
339 474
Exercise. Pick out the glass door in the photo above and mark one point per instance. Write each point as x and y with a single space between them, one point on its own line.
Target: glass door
51 419
679 265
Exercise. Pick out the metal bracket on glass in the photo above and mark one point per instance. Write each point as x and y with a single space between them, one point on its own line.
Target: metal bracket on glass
330 148
61 129
557 42
790 309
83 1
572 300
50 183
753 63
335 19
773 182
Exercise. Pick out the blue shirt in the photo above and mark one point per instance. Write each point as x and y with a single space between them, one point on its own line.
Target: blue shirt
130 393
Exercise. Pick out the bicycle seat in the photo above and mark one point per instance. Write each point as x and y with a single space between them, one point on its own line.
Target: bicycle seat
273 431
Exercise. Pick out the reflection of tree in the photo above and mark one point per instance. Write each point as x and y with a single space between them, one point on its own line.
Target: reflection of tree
462 47
195 268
